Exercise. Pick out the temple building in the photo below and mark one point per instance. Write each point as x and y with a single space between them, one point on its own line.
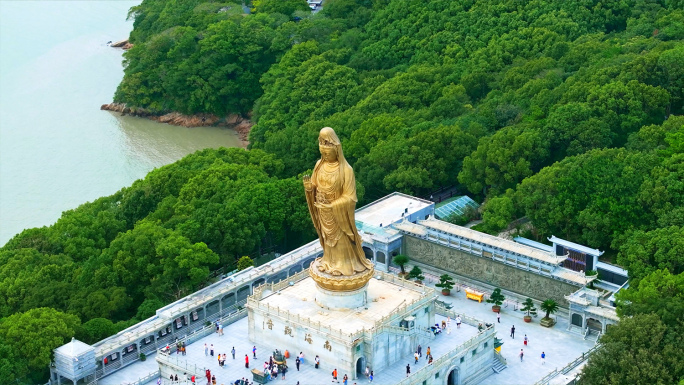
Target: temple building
279 301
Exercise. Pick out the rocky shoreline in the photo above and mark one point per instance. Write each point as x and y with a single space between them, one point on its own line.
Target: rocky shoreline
123 44
236 122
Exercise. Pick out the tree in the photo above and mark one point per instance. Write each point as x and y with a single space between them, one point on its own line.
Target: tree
446 283
528 308
644 252
570 199
639 350
497 214
497 298
286 7
549 306
35 333
244 263
416 273
659 293
401 260
504 159
95 330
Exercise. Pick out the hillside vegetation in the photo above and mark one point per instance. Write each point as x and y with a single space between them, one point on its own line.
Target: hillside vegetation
567 113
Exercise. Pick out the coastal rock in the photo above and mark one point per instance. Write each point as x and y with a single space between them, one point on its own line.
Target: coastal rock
178 119
120 43
236 122
123 44
243 129
124 109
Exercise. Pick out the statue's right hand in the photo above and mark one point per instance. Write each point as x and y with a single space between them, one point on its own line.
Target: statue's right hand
307 182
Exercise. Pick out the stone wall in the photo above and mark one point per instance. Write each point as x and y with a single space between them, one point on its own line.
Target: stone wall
485 270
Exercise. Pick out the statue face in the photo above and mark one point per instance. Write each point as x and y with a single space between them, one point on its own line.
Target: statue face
328 150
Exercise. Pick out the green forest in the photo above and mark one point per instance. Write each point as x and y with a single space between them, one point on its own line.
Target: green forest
569 114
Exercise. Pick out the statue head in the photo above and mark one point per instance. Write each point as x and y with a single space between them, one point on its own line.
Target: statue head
329 145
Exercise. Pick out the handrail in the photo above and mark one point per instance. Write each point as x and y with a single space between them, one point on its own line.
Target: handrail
463 348
428 294
500 358
165 358
567 368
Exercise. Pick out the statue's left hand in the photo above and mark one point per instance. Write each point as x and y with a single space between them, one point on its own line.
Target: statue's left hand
323 205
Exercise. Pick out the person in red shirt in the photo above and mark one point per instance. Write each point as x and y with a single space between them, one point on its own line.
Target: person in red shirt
246 361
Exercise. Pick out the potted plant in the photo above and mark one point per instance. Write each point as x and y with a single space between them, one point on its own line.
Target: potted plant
401 260
497 299
528 307
549 306
417 274
143 357
446 283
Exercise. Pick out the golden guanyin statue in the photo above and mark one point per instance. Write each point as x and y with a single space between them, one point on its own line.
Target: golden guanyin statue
331 197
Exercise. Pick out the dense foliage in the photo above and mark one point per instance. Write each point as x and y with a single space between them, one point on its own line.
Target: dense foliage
567 113
113 262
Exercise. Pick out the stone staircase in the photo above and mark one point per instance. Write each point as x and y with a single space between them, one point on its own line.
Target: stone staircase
498 366
499 363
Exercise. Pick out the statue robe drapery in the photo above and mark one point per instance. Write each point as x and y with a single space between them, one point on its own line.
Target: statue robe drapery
334 183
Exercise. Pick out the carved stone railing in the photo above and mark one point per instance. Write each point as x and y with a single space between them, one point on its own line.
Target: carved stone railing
567 368
426 372
254 302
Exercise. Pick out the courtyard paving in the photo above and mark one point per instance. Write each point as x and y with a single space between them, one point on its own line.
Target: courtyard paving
560 347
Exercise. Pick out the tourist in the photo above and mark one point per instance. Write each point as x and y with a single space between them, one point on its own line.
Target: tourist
427 354
521 355
171 377
207 373
443 324
317 361
430 359
345 379
408 370
525 341
219 359
480 327
283 371
420 351
370 379
183 348
415 356
220 331
206 350
334 375
301 357
297 361
498 317
217 326
254 351
448 325
192 379
233 352
175 378
246 361
513 331
213 380
458 322
211 350
543 358
367 371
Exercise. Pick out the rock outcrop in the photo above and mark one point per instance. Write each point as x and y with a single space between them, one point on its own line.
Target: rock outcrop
123 44
241 125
